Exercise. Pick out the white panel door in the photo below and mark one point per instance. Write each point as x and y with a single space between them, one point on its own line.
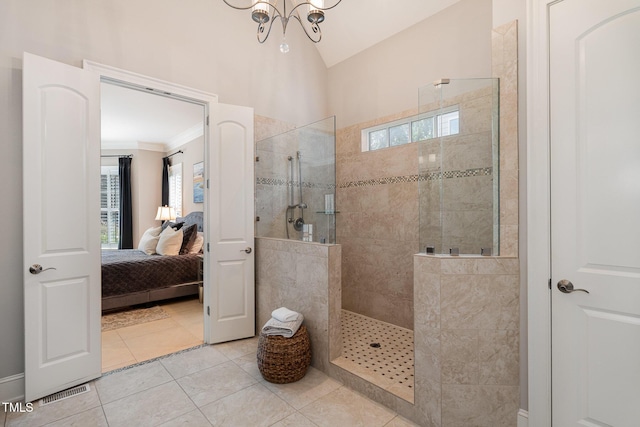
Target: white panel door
595 211
230 260
61 151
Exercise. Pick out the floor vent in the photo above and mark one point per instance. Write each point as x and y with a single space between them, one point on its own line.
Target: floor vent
65 394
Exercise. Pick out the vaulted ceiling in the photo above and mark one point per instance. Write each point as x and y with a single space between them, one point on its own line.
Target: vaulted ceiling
130 116
355 25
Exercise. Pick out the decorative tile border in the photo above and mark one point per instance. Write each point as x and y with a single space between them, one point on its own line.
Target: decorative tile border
278 182
431 176
379 181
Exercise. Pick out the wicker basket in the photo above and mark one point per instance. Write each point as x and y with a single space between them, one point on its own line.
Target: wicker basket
284 360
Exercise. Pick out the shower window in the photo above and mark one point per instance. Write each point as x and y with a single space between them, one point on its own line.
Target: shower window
399 134
412 129
378 139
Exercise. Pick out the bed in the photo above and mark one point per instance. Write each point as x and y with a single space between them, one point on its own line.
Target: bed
131 277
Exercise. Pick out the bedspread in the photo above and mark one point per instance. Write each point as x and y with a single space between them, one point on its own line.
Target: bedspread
130 270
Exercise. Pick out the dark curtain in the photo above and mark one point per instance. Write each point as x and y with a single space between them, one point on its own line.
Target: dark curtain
165 181
126 211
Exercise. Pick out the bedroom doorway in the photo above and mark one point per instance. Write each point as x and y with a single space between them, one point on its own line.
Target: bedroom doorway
149 312
62 293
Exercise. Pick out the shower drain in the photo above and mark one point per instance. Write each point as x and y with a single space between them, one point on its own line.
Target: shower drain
375 344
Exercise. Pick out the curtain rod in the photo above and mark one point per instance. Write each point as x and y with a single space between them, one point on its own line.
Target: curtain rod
117 155
177 152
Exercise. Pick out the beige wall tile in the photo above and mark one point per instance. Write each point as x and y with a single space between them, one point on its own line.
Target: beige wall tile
487 302
499 357
459 358
481 406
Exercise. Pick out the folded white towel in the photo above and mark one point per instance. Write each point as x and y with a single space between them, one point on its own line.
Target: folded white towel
283 314
286 329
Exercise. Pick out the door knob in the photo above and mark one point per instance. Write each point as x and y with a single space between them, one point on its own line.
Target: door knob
566 287
37 269
247 250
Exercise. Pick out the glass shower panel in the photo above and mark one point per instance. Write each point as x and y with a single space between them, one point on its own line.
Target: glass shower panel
459 167
295 184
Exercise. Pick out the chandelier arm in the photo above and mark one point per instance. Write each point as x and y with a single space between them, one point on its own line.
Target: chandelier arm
314 27
261 31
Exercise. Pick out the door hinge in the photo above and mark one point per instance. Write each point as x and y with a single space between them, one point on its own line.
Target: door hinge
257 158
549 283
207 120
207 183
207 247
208 311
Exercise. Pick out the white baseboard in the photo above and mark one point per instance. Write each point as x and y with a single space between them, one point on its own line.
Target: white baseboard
12 388
523 418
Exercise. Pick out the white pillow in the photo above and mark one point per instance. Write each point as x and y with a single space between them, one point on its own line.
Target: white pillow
170 242
149 240
197 244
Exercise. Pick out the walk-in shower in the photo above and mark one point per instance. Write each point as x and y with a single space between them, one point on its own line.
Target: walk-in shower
438 189
295 184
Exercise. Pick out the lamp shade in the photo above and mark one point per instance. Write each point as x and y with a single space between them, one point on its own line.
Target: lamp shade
166 213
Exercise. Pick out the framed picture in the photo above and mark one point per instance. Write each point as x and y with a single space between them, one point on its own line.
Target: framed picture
198 182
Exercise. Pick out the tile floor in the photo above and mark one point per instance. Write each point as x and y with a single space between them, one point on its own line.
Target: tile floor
390 365
217 385
133 344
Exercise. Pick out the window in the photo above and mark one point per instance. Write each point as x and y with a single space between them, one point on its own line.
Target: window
412 129
109 207
175 188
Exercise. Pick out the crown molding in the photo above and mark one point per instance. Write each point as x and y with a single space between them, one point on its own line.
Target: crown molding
186 136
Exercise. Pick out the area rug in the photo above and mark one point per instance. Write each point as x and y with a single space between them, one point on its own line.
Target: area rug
122 319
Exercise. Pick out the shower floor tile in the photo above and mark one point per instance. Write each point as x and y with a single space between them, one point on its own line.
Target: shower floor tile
379 352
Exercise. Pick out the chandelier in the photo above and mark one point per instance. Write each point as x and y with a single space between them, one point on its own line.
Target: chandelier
266 12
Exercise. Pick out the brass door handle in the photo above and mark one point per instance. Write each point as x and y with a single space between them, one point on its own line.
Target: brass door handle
566 287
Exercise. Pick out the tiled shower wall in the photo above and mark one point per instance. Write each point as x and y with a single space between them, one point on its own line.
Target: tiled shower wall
377 196
304 277
467 340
